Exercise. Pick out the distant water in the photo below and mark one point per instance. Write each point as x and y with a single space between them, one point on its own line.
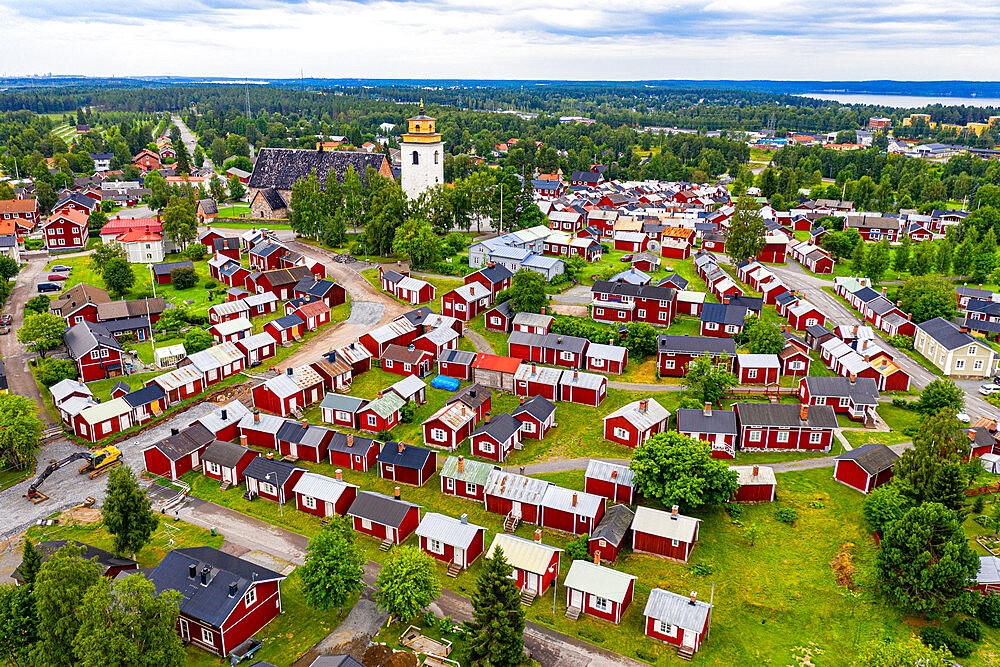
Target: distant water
904 101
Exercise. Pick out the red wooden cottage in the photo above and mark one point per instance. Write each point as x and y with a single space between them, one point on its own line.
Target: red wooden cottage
677 620
598 591
179 452
613 533
757 368
537 416
516 497
784 427
500 318
466 302
632 424
571 511
493 277
757 484
668 534
496 438
261 429
674 353
456 364
534 380
98 421
324 496
406 464
865 468
390 520
352 452
802 315
97 353
314 314
302 440
450 425
226 462
280 395
453 541
272 479
610 480
407 360
465 478
716 427
536 565
582 388
382 414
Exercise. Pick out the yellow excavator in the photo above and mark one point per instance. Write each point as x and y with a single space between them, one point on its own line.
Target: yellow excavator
97 463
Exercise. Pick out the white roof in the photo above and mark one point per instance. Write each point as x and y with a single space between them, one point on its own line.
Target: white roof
77 404
448 530
598 580
177 378
663 524
235 411
602 470
215 357
391 331
532 319
259 299
283 386
602 351
691 297
989 570
765 475
472 291
96 414
321 487
230 327
441 335
630 237
582 380
229 307
542 374
758 360
801 307
654 414
412 284
170 351
268 423
257 341
586 504
523 554
408 386
64 388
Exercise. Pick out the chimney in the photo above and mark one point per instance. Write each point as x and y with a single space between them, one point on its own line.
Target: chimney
597 558
410 347
693 598
224 414
289 372
559 339
305 423
192 571
205 572
243 441
331 356
464 519
534 369
256 416
538 535
574 499
400 447
708 410
804 412
854 377
674 512
397 494
270 456
339 474
614 475
543 310
756 470
380 395
461 464
174 431
487 417
232 589
350 439
884 291
472 393
644 405
522 400
576 375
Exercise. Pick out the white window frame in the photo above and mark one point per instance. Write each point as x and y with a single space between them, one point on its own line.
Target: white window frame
621 433
844 402
213 467
435 546
449 483
754 436
366 524
439 435
815 438
371 420
309 502
782 436
599 603
669 364
266 488
752 373
486 446
566 356
959 364
250 597
471 488
207 636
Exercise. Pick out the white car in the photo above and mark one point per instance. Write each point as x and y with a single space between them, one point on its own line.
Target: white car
989 389
963 417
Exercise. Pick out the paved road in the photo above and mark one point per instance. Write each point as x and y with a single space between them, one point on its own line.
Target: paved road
632 386
15 357
189 140
837 313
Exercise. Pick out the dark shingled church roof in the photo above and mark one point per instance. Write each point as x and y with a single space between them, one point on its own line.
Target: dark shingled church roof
280 168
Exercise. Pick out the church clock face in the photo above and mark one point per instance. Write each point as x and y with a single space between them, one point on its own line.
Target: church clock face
422 155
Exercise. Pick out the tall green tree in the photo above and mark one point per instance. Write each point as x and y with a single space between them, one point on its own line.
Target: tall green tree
526 292
878 260
127 512
60 587
183 163
20 430
308 206
708 379
927 297
31 563
859 259
118 277
761 337
406 583
679 470
127 624
497 625
901 256
925 562
17 624
103 253
940 395
236 189
353 193
217 189
41 332
933 469
923 260
416 238
334 567
746 230
180 220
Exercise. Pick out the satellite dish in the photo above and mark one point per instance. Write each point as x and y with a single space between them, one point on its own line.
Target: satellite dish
653 246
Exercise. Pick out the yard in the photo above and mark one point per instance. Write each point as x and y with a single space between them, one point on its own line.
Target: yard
441 285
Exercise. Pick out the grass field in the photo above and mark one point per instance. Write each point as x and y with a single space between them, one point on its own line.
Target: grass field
234 211
441 286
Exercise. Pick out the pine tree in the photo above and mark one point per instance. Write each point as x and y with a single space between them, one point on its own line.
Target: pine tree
127 512
31 562
497 617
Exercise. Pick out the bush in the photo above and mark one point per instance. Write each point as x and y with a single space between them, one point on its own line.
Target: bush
184 277
983 520
979 504
902 403
211 284
970 629
406 413
383 436
578 549
647 654
902 342
50 371
196 252
197 340
34 244
702 569
787 515
734 510
989 610
455 243
38 304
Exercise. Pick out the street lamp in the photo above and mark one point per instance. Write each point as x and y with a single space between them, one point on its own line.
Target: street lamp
499 185
152 280
280 499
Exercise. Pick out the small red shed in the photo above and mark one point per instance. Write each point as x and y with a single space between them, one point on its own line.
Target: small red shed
454 541
598 591
865 468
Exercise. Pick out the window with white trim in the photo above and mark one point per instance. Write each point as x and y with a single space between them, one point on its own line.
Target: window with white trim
435 546
598 311
267 488
486 447
664 628
844 402
977 365
815 438
309 502
438 435
449 483
959 364
528 427
566 356
470 489
675 543
782 436
641 314
213 467
972 350
669 364
366 524
751 373
599 603
621 433
250 597
207 636
371 420
754 436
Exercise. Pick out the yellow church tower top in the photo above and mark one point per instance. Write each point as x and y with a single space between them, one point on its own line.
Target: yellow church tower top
420 129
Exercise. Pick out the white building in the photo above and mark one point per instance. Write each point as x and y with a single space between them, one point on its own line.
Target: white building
422 155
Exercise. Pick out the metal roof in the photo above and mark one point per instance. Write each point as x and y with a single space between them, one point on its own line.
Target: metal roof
654 414
765 475
267 423
582 380
99 412
541 374
532 319
614 525
321 487
693 420
758 360
501 428
256 341
677 610
474 472
234 412
609 472
448 530
946 333
523 554
230 327
577 502
386 405
279 471
343 402
599 580
516 487
873 457
989 570
65 387
282 386
602 351
665 524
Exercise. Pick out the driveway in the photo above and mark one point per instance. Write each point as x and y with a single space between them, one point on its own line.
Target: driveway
15 357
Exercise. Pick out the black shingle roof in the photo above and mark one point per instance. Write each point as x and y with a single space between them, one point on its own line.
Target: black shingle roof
145 395
280 168
784 414
538 407
165 268
873 457
380 509
412 457
696 344
500 428
863 391
614 525
694 421
946 333
226 454
724 314
261 466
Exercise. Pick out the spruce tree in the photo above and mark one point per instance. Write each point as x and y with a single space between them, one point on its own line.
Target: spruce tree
497 617
31 562
127 512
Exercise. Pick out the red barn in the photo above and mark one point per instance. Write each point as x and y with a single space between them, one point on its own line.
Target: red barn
784 427
757 484
536 415
272 479
407 464
571 511
536 565
677 620
454 541
598 591
324 496
226 462
610 480
757 368
66 230
865 468
353 452
227 600
612 534
390 520
668 534
465 478
632 424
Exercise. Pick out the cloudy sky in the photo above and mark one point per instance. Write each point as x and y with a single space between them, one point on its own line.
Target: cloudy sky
521 39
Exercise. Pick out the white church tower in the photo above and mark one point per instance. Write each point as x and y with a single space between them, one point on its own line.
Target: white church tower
422 153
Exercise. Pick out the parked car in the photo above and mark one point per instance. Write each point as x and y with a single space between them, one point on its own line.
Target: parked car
989 389
57 276
49 287
626 258
963 417
61 267
4 329
7 319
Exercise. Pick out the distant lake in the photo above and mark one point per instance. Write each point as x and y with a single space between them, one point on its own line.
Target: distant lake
904 101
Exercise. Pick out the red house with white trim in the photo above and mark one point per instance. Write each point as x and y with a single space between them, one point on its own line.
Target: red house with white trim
598 591
386 519
668 534
677 620
453 541
865 468
632 424
536 565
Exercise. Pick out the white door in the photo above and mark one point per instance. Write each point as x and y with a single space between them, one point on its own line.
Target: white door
576 599
125 422
292 405
185 630
227 474
531 582
688 639
327 508
253 356
293 449
515 509
194 459
459 556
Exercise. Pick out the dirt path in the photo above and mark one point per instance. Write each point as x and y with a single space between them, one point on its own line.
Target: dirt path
15 357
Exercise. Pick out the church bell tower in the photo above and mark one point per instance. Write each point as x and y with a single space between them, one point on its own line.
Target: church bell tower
422 154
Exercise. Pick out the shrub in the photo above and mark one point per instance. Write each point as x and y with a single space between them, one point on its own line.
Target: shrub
934 637
383 436
211 284
184 277
406 413
702 569
902 403
196 252
734 510
970 629
901 341
989 610
787 515
979 504
647 654
578 549
983 520
49 371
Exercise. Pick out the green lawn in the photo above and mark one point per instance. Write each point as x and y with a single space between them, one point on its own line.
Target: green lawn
441 285
11 476
234 211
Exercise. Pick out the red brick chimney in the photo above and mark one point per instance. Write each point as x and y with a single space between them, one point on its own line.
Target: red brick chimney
461 464
400 448
339 474
804 412
538 535
708 410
